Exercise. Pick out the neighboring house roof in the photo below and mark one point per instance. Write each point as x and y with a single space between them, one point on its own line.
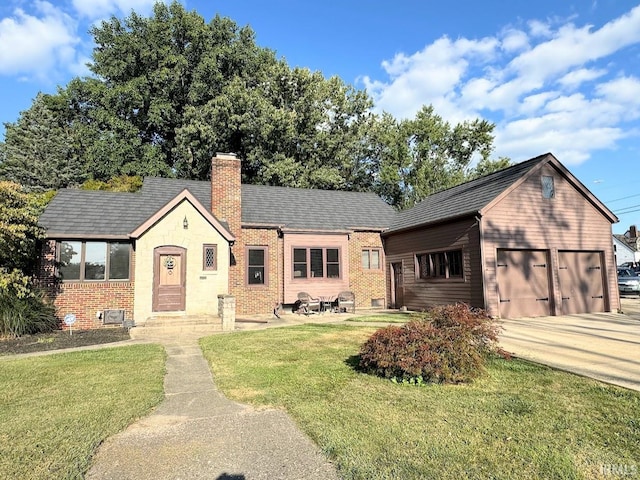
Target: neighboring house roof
625 242
81 213
477 196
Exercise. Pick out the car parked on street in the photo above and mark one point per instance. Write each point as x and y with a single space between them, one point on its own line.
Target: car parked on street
628 281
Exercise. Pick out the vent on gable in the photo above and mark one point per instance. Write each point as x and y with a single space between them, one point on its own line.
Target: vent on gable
113 317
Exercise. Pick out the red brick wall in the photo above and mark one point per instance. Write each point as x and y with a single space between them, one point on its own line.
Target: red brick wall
257 298
84 299
366 284
226 195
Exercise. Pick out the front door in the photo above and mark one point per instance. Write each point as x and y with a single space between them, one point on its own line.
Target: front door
169 279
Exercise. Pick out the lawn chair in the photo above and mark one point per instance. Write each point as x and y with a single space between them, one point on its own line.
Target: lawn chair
308 304
347 302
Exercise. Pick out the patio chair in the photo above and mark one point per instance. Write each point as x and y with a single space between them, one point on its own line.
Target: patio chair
308 303
347 302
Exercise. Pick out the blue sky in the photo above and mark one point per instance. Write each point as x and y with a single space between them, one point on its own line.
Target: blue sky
553 76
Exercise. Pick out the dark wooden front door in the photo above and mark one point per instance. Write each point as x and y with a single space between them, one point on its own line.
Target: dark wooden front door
169 279
398 296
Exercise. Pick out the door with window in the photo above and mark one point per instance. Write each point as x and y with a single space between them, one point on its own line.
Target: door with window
169 279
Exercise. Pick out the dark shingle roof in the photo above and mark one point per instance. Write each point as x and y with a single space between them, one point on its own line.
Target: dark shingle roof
464 199
299 208
95 213
626 241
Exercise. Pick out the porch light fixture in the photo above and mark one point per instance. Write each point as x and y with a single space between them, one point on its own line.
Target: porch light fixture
185 223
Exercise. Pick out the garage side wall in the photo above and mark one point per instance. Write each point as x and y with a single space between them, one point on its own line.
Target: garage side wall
419 294
567 221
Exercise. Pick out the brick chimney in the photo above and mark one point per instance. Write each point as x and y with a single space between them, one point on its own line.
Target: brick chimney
633 232
226 201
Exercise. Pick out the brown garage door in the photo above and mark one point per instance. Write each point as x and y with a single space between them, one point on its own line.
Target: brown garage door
581 283
523 283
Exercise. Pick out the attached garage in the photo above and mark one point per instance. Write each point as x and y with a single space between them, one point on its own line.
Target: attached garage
523 283
533 241
581 281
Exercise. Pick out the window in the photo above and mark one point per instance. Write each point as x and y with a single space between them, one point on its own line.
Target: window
256 265
371 258
548 190
94 261
439 264
316 263
209 257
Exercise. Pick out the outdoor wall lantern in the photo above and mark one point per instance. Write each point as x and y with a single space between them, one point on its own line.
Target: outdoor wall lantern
185 223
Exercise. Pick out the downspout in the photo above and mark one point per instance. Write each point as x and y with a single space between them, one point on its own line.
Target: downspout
482 264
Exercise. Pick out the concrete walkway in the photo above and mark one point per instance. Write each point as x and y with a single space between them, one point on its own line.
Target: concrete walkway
604 346
196 433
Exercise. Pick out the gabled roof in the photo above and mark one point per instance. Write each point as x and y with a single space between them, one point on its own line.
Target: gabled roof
184 196
97 214
477 196
625 241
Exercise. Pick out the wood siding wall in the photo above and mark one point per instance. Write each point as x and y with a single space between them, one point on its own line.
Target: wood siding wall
420 294
523 219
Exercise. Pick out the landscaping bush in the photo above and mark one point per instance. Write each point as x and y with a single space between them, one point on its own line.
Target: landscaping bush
447 344
23 315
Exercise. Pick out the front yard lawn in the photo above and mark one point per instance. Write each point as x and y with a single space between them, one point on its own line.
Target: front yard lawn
56 410
520 420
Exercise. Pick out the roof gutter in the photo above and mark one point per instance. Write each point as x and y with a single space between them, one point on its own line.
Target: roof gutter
84 236
387 233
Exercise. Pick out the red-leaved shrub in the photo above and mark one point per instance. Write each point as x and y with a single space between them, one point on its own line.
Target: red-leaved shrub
447 344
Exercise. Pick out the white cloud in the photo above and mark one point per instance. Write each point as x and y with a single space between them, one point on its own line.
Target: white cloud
515 40
35 44
430 73
95 9
575 78
539 29
556 87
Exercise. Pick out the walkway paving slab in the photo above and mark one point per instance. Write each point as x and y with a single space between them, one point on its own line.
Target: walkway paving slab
197 433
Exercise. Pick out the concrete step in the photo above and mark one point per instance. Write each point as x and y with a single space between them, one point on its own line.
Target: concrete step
172 326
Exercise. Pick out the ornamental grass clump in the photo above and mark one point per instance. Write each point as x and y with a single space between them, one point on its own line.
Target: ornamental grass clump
447 344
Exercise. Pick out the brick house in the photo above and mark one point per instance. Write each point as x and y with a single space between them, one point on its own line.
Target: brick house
528 240
176 245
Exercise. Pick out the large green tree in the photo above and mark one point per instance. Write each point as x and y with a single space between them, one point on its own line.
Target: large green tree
38 152
417 157
170 90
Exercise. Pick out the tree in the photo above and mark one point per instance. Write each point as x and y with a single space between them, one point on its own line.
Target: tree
418 157
38 150
170 90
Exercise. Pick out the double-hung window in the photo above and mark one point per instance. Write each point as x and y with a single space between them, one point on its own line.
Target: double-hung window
94 261
311 262
256 260
439 264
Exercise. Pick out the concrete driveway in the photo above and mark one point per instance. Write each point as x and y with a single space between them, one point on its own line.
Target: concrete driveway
604 346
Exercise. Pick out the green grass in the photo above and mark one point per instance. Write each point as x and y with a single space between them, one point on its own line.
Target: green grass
383 317
520 420
55 410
